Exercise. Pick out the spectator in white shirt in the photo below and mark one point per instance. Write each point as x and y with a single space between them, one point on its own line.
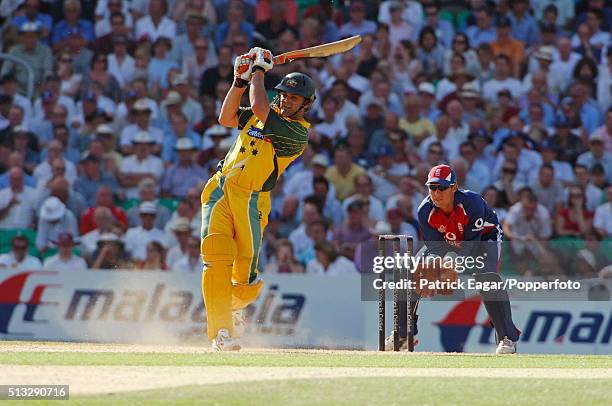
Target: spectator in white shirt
156 24
120 64
141 114
329 262
603 217
137 238
17 202
527 223
142 164
192 262
502 80
181 230
54 219
43 172
19 258
65 260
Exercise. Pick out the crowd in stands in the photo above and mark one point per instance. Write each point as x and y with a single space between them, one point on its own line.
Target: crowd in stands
108 127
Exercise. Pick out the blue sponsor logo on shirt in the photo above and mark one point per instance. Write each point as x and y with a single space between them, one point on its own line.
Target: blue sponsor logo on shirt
255 133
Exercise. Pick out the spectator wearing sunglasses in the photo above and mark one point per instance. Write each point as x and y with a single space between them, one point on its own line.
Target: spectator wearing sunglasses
19 258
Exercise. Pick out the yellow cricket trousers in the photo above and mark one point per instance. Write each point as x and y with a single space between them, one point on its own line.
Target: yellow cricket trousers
242 216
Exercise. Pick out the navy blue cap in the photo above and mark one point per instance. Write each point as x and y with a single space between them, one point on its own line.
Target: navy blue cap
442 175
548 144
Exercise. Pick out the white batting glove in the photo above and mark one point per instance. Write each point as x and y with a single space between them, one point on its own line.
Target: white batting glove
242 67
261 58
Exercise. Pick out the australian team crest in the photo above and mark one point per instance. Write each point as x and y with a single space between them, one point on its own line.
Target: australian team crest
291 82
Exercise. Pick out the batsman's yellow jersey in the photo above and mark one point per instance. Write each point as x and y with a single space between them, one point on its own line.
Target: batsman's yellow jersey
262 152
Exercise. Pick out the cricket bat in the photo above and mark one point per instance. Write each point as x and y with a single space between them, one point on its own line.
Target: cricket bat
319 51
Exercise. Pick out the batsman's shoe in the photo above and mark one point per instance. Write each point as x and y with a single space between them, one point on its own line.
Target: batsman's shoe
403 343
224 342
239 322
506 346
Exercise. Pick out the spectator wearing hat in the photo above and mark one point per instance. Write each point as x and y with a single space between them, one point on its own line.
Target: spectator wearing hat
72 31
181 230
179 177
597 154
155 24
110 253
18 258
211 139
105 10
189 106
36 54
142 164
505 44
137 238
63 190
17 202
147 192
429 109
300 183
179 129
502 80
104 198
120 63
65 259
141 115
483 31
53 220
603 216
328 261
192 262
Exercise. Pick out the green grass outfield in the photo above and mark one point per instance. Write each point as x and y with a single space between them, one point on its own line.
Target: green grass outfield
558 389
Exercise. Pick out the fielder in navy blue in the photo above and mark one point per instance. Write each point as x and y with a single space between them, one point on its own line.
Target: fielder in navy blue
460 221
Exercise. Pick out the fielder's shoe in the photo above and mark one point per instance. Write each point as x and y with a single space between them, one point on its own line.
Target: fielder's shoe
223 342
240 323
403 343
506 346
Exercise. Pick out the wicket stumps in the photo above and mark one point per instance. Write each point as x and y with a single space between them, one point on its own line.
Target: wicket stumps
398 274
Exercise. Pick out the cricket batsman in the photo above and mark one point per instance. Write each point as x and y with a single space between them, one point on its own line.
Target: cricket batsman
457 222
236 200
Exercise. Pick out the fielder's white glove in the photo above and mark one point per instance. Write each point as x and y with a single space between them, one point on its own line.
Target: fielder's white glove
261 58
242 67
